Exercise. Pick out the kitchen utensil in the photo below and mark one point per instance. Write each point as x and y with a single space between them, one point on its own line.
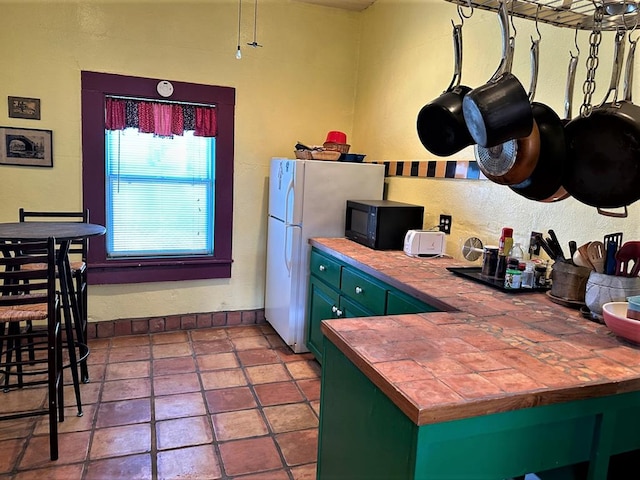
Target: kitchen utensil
499 110
545 182
440 124
582 257
514 161
611 237
615 237
596 255
628 259
573 248
603 148
545 246
555 245
610 260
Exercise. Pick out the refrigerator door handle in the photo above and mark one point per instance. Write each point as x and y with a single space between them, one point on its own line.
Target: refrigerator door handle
287 258
287 216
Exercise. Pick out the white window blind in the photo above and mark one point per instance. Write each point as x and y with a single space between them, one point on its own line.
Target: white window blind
159 194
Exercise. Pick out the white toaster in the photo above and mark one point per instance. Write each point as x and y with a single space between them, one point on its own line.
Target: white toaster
424 243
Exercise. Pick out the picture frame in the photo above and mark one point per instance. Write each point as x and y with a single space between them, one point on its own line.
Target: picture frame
23 107
27 147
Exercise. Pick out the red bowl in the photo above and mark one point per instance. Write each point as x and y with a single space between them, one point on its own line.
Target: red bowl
336 137
615 316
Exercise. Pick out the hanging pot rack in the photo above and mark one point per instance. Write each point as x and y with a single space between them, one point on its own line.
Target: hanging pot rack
574 14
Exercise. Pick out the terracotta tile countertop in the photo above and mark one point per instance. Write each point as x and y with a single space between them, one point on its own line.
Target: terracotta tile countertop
491 352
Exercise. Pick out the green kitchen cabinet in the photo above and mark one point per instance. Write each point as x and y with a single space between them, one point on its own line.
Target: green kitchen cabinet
338 290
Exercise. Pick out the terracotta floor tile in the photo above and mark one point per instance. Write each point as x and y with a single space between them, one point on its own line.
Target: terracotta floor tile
179 405
178 383
214 346
125 412
249 343
287 418
272 475
72 423
118 441
126 389
195 463
129 354
171 350
228 399
72 449
170 337
316 407
208 334
250 456
120 371
134 467
10 451
257 357
63 472
20 428
183 432
299 447
104 343
223 379
278 393
310 388
127 341
90 393
217 361
304 369
304 472
248 331
275 341
274 372
22 400
171 366
238 424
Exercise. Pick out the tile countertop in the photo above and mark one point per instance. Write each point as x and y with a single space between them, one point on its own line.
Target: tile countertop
491 352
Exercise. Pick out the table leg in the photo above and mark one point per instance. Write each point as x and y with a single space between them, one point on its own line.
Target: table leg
64 272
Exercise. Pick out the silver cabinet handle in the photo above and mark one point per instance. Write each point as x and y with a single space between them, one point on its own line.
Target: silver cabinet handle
334 309
322 268
358 290
338 313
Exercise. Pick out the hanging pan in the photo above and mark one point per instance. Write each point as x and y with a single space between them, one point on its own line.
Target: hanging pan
441 126
603 169
545 182
499 110
513 161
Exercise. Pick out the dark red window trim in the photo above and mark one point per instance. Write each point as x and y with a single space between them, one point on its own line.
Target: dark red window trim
95 86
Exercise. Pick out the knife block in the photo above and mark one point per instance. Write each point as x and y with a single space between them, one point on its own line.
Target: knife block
569 282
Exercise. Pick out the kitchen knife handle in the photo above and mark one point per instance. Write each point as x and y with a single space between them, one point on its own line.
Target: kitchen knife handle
610 260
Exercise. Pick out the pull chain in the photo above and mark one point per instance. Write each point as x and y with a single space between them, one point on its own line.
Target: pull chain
589 85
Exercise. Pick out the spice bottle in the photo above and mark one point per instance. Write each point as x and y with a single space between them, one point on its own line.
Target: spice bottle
528 276
513 275
540 275
506 241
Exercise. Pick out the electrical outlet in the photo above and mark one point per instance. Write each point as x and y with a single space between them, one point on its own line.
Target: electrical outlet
534 246
445 224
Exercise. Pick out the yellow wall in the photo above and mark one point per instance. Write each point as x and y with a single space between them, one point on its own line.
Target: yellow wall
406 60
315 73
298 86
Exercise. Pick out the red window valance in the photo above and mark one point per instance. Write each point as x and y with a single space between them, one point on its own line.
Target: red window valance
160 118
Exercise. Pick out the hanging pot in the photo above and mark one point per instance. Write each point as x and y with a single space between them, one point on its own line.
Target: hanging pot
441 126
499 110
514 160
603 169
545 182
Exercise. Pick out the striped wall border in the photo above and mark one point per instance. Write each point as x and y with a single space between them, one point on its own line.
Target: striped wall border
452 169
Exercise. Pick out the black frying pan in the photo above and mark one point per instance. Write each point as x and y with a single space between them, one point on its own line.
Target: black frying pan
441 126
603 154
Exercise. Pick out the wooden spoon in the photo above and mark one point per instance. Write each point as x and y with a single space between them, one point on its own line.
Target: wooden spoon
581 257
595 250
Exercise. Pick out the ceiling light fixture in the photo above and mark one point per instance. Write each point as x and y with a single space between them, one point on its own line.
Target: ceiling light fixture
255 25
238 52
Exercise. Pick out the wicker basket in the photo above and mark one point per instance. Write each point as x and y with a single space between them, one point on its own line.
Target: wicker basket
338 147
303 154
325 155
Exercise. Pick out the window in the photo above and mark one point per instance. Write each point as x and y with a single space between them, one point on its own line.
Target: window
166 200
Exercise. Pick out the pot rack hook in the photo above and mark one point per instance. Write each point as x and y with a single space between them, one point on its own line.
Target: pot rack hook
575 42
635 25
513 25
537 29
463 15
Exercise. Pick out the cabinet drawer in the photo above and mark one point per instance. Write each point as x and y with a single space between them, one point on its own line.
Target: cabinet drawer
325 268
361 289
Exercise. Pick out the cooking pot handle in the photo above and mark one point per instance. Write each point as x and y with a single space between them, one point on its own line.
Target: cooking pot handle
571 81
507 51
618 58
613 214
457 51
628 73
535 56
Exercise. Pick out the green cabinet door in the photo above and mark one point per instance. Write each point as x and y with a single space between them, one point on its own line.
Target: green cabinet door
322 300
399 303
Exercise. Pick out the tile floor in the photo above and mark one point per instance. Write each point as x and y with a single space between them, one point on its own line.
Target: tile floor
215 403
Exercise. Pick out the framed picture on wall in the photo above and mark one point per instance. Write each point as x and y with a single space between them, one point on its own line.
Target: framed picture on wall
26 146
22 107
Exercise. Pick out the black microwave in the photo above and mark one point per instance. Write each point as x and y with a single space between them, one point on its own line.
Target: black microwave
381 224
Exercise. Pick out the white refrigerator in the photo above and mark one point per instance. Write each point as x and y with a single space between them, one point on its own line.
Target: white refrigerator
307 198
